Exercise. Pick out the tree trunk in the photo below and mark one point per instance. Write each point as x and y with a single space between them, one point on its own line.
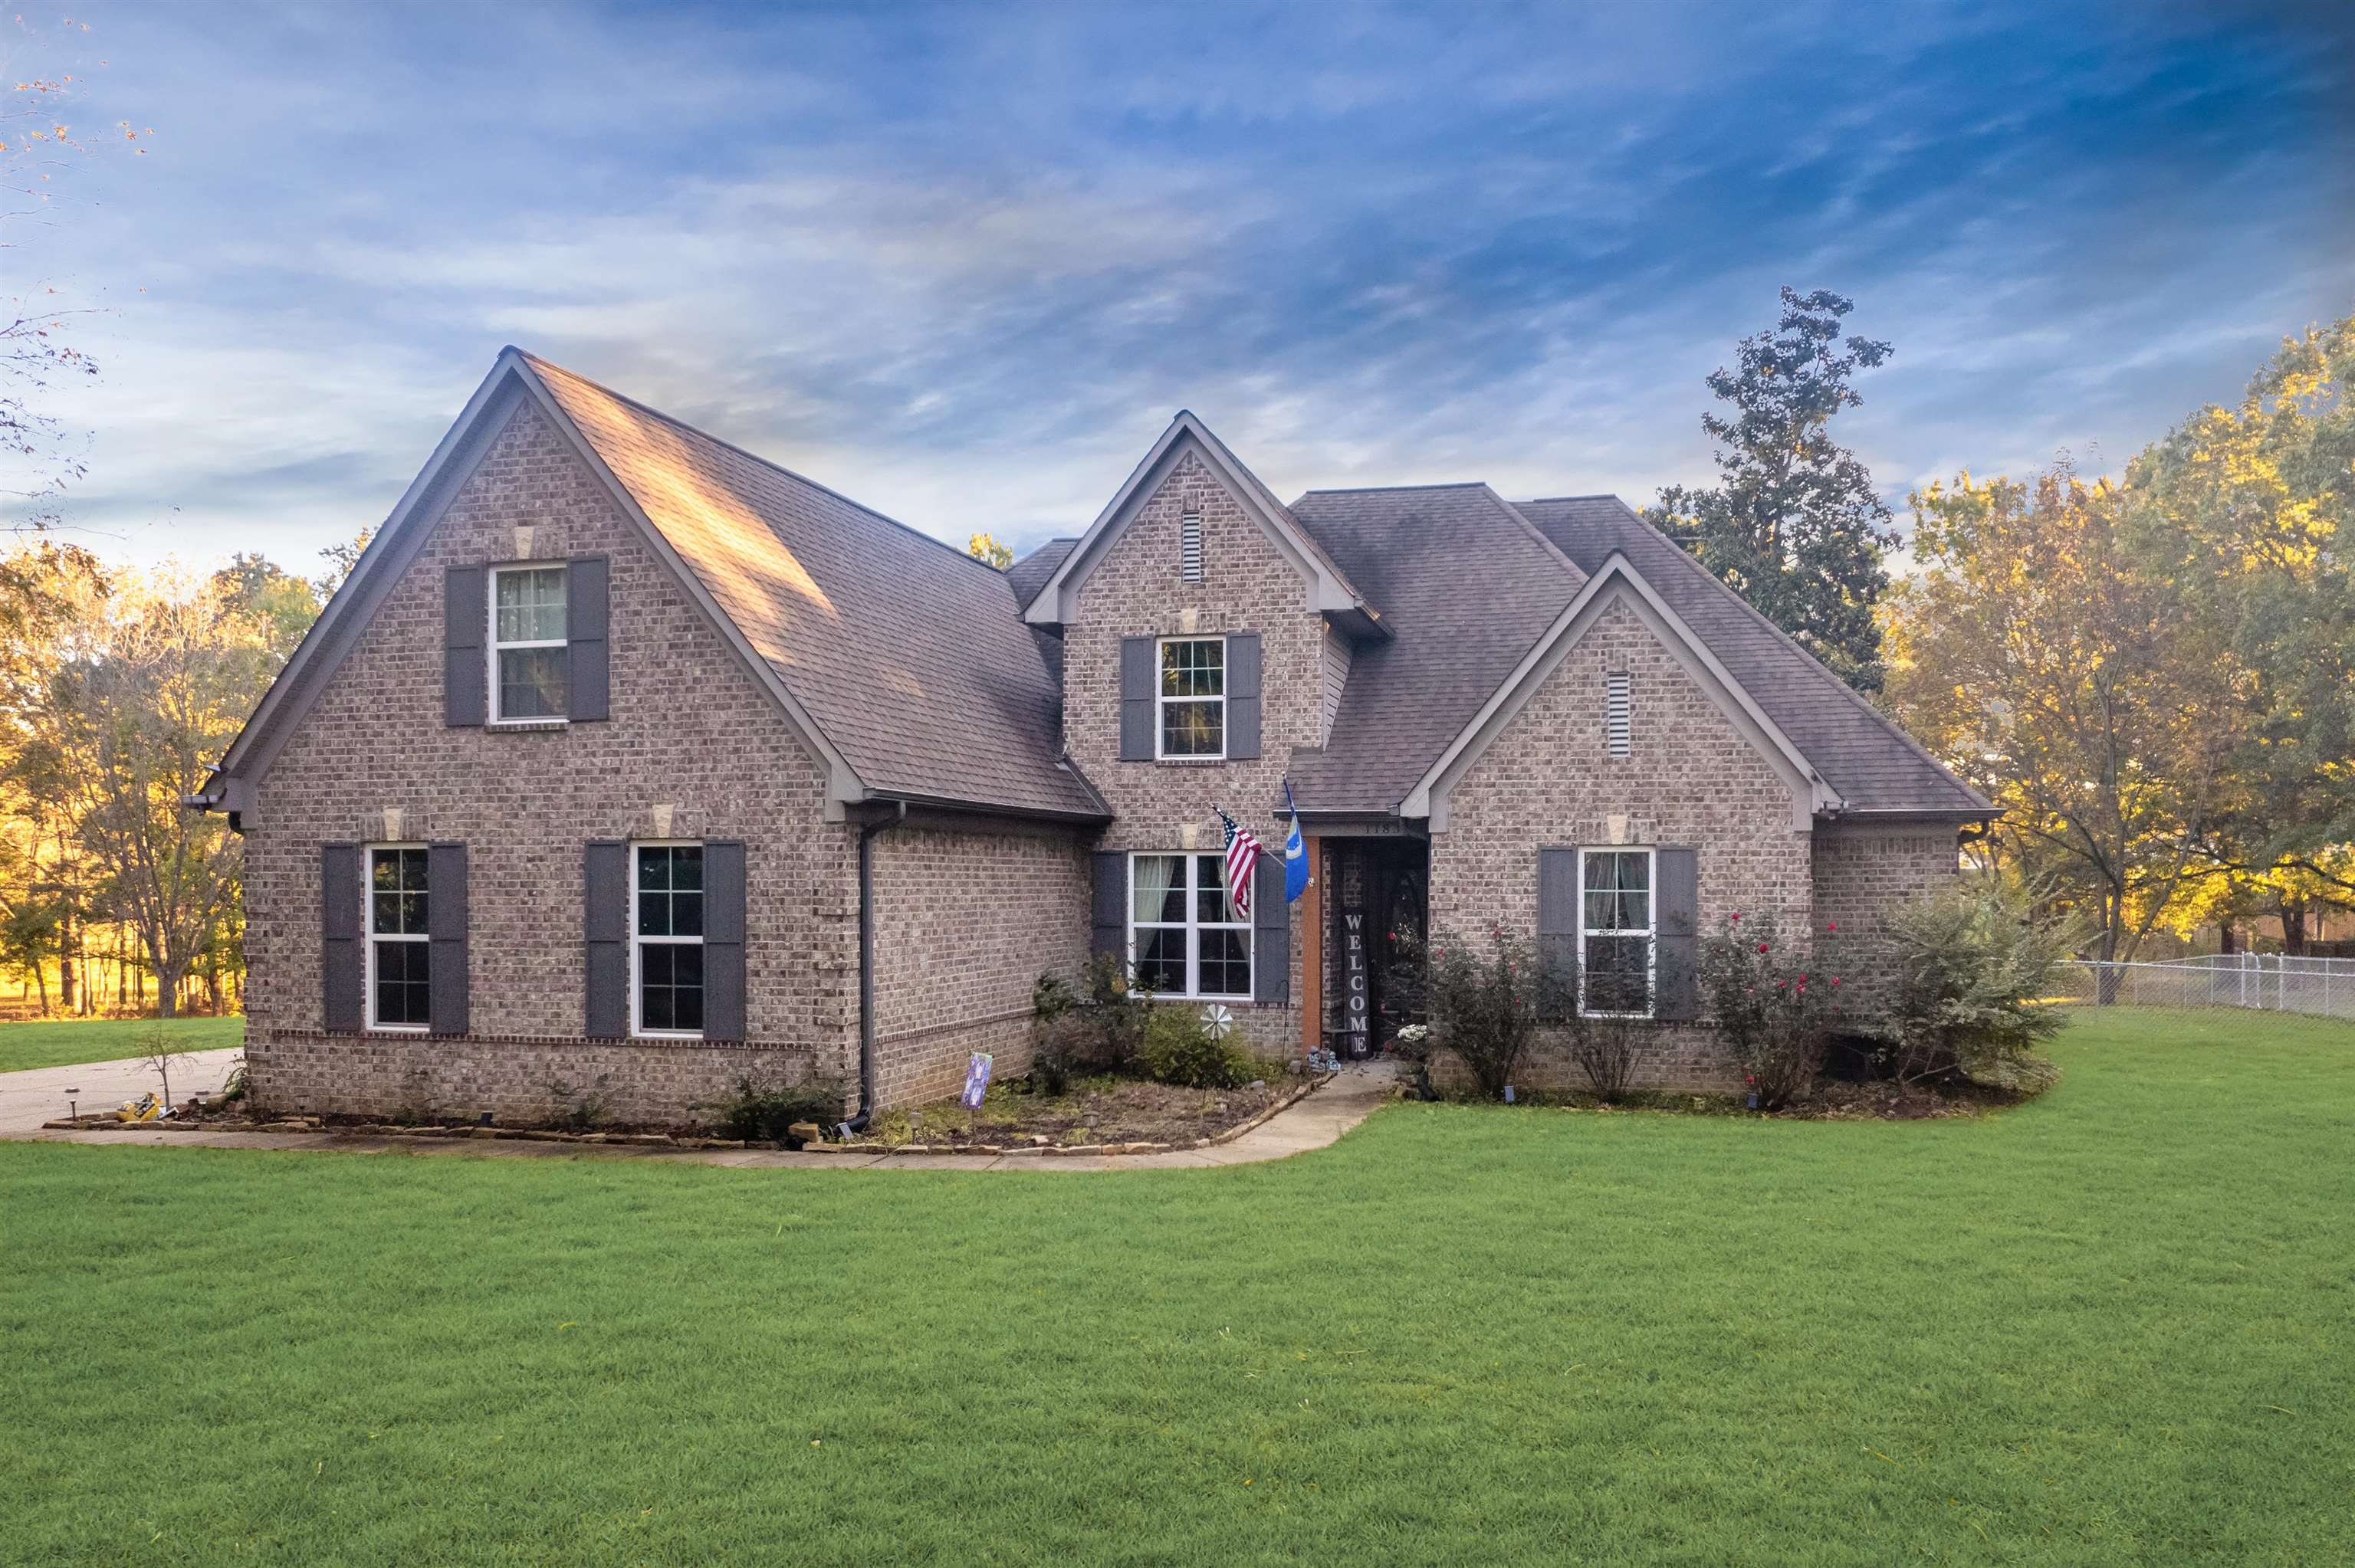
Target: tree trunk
2227 938
2293 919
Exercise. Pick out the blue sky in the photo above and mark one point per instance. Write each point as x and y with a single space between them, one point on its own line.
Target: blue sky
964 263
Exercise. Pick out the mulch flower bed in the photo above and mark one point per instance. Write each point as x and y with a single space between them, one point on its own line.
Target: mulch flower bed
1095 1116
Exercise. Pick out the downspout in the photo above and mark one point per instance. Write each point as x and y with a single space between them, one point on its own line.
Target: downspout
867 835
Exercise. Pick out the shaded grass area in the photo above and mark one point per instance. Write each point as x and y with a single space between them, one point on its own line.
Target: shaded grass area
2112 1326
64 1043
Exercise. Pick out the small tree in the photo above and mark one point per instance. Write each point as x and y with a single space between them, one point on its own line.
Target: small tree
1971 968
1772 1000
158 1049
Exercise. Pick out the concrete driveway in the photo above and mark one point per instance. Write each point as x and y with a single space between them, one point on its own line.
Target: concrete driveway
27 1099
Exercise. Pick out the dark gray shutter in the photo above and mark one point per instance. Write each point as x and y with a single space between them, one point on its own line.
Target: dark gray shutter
1109 932
341 967
588 679
605 921
1271 932
445 931
1136 675
1242 695
723 940
1558 916
465 621
1677 941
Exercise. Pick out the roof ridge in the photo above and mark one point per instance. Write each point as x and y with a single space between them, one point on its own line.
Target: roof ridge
745 453
1376 488
1590 495
1535 531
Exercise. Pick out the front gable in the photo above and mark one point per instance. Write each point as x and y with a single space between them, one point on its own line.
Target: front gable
1188 445
1618 603
467 465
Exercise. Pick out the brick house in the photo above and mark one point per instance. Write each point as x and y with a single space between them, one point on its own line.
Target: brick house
626 760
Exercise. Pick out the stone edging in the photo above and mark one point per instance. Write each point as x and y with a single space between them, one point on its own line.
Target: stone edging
107 1123
1284 1101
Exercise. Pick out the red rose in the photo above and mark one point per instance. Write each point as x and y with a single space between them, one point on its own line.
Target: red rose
1833 926
1761 946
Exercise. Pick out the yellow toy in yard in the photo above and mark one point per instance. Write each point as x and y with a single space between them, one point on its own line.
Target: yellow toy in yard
146 1107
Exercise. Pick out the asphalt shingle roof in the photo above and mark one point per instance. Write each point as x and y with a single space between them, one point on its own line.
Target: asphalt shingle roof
1466 587
1873 765
1030 574
910 654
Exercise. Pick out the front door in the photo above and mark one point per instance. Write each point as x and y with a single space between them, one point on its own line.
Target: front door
1379 899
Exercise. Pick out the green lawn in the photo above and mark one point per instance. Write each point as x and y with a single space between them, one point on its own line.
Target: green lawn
65 1042
2115 1326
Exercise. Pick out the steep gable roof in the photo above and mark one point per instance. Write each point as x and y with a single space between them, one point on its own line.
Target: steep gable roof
902 661
1466 587
1330 589
1874 765
910 654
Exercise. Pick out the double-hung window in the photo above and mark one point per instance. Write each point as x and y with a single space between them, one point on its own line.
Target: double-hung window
400 958
1192 697
1616 932
1185 936
667 939
529 662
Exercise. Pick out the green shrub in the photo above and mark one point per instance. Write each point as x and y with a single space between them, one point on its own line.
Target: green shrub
1774 1000
1098 1031
1968 964
1483 1007
1061 1046
1179 1050
763 1107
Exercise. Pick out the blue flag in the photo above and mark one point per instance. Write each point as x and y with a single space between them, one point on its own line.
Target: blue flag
1295 853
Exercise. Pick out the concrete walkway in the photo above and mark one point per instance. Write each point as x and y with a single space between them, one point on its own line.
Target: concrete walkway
29 1098
1313 1122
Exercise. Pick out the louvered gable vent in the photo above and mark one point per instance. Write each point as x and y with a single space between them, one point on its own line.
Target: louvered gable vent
1619 714
1189 534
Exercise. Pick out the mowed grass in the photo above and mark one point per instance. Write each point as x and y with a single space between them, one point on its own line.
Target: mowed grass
64 1043
2110 1327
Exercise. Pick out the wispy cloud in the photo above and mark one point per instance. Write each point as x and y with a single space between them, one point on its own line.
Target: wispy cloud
964 265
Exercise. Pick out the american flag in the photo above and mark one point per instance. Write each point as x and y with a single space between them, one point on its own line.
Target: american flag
1243 859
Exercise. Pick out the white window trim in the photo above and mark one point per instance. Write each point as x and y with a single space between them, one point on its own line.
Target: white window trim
494 647
1162 700
1650 932
369 939
638 1031
1193 929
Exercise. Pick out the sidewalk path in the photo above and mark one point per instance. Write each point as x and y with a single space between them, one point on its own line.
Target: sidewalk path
31 1098
1313 1122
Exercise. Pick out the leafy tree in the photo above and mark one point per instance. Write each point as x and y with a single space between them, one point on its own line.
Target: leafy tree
1794 524
2034 660
151 688
2248 511
985 548
341 559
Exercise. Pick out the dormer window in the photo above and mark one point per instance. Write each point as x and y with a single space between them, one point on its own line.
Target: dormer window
1192 697
528 661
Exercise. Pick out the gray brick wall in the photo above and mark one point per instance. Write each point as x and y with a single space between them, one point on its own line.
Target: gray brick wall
964 925
1691 778
1137 590
692 731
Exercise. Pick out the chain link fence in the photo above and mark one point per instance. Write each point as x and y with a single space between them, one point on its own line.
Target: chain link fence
2259 982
